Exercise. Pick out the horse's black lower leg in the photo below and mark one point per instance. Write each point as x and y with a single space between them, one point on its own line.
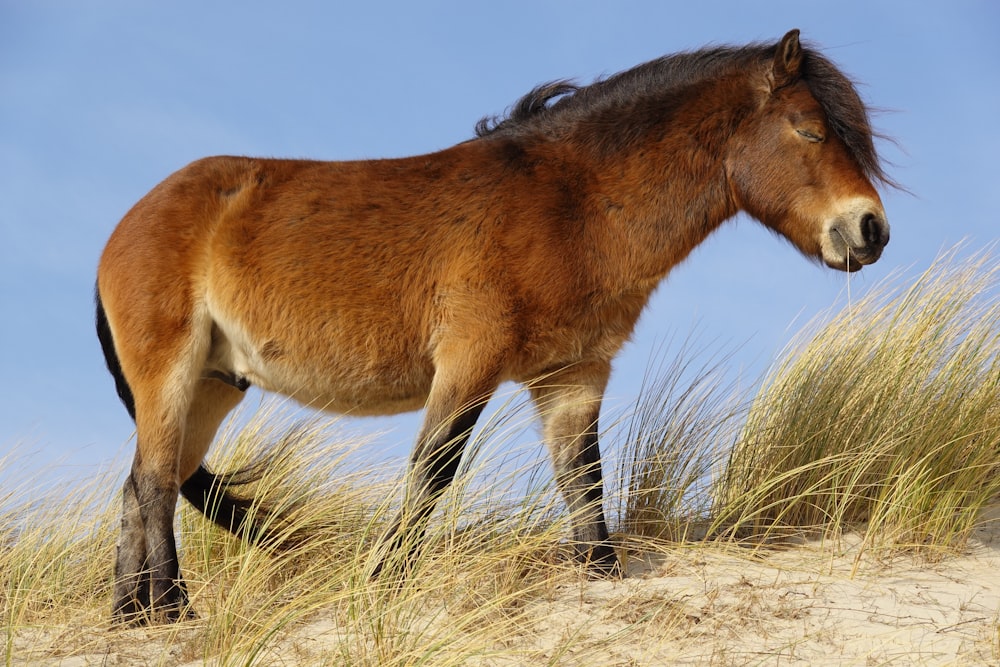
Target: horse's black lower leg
590 533
405 536
569 404
148 586
167 594
433 466
131 585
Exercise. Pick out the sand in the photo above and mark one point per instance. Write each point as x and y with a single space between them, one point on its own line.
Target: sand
812 604
832 603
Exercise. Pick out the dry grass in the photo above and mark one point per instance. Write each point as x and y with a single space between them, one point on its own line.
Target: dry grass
483 563
888 415
886 419
673 442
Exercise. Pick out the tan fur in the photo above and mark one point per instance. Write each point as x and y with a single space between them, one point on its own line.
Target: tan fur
374 287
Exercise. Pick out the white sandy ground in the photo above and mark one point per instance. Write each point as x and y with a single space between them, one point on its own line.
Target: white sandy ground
797 607
815 604
803 606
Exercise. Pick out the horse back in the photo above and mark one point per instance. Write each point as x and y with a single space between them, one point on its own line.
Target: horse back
336 282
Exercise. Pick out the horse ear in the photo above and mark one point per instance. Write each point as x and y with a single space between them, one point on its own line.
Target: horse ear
787 60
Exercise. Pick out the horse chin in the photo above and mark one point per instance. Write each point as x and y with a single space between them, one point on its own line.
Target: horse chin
851 259
847 265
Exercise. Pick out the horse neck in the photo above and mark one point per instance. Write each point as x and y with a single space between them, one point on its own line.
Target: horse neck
657 199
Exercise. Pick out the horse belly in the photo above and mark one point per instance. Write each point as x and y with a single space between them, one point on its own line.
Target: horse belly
376 377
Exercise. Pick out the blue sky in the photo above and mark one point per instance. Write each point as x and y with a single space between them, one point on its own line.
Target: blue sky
101 100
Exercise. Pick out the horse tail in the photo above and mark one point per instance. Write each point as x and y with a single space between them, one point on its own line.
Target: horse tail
111 356
211 494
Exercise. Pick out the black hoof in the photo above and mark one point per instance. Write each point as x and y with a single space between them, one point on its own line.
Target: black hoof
602 563
136 612
130 615
138 618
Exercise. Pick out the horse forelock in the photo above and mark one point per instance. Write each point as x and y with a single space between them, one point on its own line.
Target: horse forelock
552 108
847 114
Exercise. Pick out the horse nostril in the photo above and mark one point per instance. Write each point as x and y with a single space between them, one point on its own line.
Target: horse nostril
874 230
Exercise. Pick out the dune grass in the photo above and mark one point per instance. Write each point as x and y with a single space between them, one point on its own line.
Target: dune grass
673 441
886 415
883 419
483 562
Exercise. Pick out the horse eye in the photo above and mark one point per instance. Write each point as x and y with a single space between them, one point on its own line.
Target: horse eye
810 136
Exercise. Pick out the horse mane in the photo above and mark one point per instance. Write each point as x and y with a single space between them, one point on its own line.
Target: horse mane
554 108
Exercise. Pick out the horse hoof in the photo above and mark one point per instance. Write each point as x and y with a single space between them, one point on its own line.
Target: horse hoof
602 571
603 563
135 616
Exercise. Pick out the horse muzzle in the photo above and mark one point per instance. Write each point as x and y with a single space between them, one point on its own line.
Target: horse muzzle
855 239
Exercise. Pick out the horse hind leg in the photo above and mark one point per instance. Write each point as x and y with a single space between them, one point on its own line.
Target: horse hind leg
148 582
176 417
148 587
131 585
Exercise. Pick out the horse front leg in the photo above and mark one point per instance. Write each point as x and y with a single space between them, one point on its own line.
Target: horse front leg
569 404
456 400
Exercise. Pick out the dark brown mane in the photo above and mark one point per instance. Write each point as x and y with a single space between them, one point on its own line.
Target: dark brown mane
553 108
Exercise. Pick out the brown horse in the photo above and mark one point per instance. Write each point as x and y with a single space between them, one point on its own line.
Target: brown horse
527 252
